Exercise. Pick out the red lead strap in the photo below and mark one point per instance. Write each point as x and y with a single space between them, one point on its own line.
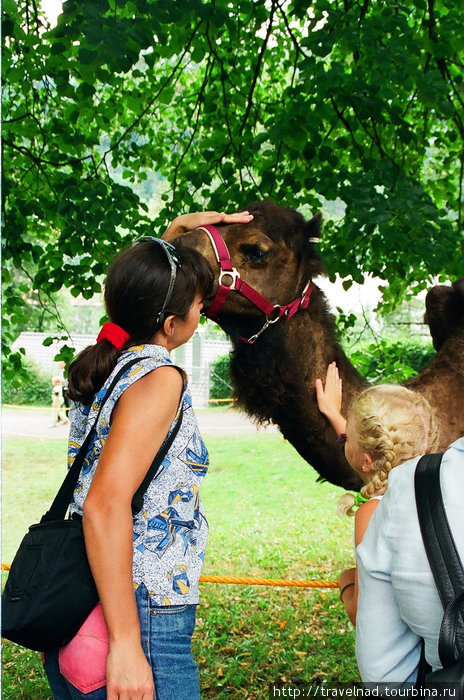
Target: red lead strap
228 271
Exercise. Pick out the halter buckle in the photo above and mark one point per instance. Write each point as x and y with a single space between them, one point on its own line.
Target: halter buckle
270 319
234 274
274 316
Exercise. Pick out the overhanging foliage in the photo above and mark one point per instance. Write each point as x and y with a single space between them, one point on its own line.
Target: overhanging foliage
355 102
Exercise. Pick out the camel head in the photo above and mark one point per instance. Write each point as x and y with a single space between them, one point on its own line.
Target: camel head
275 254
274 377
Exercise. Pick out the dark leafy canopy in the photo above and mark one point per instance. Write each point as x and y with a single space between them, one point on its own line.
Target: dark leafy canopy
360 102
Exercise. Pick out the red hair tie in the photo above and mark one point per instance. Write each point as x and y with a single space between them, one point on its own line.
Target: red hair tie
115 334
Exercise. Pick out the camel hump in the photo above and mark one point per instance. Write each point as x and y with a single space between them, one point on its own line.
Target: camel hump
445 311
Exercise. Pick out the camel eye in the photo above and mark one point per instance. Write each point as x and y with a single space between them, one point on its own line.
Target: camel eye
254 254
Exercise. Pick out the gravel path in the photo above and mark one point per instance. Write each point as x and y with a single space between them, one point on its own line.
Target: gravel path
35 422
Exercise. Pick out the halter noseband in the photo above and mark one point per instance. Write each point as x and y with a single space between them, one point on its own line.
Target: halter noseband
273 312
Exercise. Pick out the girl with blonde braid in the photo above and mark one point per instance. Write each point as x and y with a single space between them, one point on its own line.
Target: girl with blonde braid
386 425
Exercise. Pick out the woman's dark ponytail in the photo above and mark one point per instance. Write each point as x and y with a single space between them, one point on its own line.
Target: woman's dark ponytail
89 371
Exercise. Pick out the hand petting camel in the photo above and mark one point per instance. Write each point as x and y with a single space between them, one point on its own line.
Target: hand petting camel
284 336
329 399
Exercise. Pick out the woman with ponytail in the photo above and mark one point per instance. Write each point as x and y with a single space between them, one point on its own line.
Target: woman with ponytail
386 425
146 566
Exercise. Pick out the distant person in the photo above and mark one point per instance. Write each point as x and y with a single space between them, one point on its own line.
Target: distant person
64 378
58 410
147 566
387 424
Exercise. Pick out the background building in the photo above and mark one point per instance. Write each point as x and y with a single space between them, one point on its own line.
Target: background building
195 357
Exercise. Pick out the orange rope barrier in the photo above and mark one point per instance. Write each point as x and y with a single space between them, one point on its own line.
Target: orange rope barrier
254 581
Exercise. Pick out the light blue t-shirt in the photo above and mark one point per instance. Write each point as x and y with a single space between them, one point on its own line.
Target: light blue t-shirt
170 531
398 602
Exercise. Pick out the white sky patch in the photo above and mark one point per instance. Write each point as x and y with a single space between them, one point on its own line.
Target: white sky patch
358 297
52 9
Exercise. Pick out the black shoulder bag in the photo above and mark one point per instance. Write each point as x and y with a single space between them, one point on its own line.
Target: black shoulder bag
50 589
448 574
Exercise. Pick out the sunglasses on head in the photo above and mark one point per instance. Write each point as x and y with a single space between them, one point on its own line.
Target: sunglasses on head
174 264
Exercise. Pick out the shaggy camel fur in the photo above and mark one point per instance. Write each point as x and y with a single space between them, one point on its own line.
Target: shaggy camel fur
274 378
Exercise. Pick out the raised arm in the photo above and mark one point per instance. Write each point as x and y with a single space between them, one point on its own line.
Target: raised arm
329 398
187 222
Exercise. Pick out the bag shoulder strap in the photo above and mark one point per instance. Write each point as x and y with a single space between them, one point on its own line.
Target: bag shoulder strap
440 547
62 499
137 499
441 551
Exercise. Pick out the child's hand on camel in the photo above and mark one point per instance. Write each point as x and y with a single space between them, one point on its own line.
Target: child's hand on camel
329 397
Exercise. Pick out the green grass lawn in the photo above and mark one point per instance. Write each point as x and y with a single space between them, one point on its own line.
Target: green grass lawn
268 517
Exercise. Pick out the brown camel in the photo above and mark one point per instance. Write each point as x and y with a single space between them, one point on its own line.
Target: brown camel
274 377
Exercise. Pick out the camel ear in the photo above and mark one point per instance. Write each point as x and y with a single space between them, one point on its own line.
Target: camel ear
313 228
313 263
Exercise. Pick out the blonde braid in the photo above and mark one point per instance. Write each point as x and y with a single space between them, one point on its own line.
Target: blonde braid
346 505
393 424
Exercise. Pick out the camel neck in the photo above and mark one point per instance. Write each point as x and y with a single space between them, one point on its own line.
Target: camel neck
274 381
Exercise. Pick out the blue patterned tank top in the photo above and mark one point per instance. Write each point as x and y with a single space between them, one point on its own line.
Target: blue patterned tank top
170 531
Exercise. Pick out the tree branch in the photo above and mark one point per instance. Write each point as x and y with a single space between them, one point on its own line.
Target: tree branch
38 22
18 119
461 176
196 109
290 32
279 148
363 12
257 70
152 102
223 77
38 160
432 28
55 313
347 126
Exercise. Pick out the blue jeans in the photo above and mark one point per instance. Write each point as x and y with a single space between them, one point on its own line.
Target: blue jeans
166 634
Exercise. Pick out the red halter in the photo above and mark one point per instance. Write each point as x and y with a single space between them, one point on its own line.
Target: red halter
273 312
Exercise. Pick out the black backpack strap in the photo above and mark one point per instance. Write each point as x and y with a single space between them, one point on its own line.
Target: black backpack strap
441 550
423 669
451 640
137 499
62 499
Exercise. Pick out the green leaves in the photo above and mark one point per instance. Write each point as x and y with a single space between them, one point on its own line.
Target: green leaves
127 113
392 361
